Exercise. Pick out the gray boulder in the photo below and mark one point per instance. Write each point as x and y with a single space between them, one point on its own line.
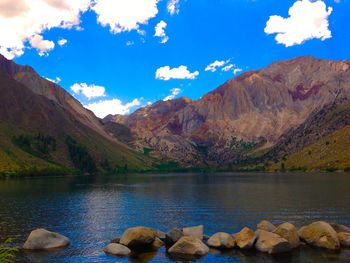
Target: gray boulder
288 232
173 236
195 231
189 246
340 228
138 237
266 225
117 250
344 239
320 234
41 239
271 243
221 240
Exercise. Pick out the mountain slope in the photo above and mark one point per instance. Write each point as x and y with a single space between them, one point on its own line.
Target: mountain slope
328 154
42 128
322 142
246 114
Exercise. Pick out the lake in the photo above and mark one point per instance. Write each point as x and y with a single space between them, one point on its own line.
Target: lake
93 210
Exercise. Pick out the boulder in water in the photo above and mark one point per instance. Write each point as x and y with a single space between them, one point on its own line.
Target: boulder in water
288 232
41 239
173 236
266 225
195 231
117 250
340 228
221 240
189 246
320 234
271 243
138 237
344 239
245 239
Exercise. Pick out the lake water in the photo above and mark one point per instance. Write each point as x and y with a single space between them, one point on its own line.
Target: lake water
92 210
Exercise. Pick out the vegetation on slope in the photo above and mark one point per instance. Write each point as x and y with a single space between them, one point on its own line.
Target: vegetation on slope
328 154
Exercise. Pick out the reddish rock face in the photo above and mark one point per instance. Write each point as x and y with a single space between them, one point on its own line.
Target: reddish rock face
256 108
303 93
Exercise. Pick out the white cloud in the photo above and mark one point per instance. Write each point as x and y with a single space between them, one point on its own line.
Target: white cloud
307 20
62 42
56 80
89 91
43 46
174 93
114 106
216 64
173 7
23 21
160 32
124 15
228 67
130 43
224 65
237 70
166 73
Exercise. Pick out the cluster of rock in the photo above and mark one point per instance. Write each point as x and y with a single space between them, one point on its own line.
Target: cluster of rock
190 241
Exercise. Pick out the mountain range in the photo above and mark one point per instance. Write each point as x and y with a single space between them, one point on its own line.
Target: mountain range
291 115
261 118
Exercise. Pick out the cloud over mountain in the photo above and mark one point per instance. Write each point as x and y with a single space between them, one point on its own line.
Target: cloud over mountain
89 91
103 108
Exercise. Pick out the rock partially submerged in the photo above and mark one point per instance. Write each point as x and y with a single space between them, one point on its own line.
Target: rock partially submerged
271 243
340 228
138 237
117 250
41 239
320 234
195 231
189 246
344 239
115 240
173 236
222 240
158 243
266 225
161 235
288 232
245 239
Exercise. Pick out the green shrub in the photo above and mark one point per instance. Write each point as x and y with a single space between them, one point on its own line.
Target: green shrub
7 252
39 145
330 169
146 151
80 156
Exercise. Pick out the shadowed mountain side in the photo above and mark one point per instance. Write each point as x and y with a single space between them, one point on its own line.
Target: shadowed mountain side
50 129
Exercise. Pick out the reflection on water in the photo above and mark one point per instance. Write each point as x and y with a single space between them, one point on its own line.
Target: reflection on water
92 210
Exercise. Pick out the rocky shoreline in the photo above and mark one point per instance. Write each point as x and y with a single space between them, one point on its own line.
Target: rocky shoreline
191 242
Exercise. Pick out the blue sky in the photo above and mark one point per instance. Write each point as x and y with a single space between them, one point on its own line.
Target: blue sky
119 68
